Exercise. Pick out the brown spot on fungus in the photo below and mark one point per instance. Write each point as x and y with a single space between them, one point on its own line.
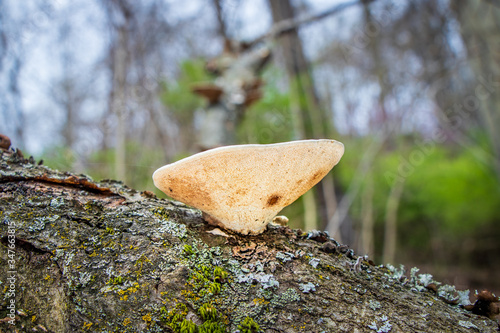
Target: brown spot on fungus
273 200
243 187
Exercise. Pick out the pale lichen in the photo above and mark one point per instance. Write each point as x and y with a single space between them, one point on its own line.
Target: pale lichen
284 256
307 287
57 202
374 305
398 274
289 296
463 297
467 324
266 280
314 262
425 279
383 322
172 228
448 293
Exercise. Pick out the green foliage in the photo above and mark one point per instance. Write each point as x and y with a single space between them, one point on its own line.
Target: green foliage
60 158
178 96
140 165
248 325
269 120
455 191
448 195
204 278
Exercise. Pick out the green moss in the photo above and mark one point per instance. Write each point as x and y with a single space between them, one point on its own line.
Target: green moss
115 280
187 326
205 278
212 327
248 325
176 317
212 322
219 274
208 312
188 250
214 288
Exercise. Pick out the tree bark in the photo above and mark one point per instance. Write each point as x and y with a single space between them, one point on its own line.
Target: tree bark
81 256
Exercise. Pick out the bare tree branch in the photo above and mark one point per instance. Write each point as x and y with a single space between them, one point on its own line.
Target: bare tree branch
220 18
288 25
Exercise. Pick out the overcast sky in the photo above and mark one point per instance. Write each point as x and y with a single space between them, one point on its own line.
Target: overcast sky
70 37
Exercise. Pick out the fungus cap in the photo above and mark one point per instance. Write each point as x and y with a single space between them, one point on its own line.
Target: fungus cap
243 187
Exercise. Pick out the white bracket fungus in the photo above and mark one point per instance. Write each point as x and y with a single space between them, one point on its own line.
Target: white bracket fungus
243 187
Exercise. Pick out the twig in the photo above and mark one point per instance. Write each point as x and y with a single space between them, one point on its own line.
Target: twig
288 25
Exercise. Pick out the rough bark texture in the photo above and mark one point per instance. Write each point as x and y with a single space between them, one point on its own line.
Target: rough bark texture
100 257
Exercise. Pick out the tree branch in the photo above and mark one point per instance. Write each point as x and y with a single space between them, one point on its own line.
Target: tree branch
288 25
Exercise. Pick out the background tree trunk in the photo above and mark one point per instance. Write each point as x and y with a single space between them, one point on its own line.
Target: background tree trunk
120 17
311 120
367 240
119 68
391 219
479 27
100 256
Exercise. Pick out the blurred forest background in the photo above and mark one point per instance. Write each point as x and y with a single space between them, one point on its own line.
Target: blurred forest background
118 88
